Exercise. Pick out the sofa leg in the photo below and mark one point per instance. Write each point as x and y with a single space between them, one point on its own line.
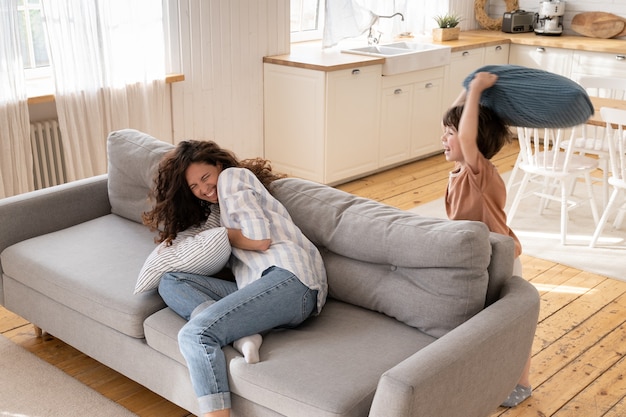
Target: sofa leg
38 331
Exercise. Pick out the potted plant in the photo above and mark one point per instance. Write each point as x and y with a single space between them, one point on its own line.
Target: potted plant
448 28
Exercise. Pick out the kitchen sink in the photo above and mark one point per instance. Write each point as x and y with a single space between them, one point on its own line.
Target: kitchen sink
406 56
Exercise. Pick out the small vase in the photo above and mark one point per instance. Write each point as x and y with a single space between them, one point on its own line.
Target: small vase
446 34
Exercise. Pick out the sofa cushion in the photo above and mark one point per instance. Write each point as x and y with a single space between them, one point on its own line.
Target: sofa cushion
429 273
530 97
201 250
161 330
91 268
133 161
354 345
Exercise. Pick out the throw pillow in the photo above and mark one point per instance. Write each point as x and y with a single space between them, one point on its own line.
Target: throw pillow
528 97
196 251
133 157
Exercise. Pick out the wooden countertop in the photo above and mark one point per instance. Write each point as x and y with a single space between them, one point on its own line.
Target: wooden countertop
311 55
581 43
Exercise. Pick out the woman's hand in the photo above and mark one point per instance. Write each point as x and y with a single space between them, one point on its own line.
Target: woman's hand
238 240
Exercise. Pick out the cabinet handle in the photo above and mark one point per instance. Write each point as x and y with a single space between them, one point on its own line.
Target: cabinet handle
356 71
465 53
397 91
428 85
620 57
541 50
498 48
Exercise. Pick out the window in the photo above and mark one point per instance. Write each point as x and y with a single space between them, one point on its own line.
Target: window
34 46
32 34
307 20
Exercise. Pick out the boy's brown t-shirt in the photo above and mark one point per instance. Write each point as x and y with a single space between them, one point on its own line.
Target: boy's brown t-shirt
481 197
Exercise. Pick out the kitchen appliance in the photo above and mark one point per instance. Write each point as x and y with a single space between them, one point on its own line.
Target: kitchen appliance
518 21
550 18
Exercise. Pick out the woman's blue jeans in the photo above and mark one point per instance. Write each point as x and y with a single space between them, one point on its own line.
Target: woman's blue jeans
277 299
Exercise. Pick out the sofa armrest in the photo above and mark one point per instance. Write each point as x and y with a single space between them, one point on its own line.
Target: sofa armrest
469 371
50 209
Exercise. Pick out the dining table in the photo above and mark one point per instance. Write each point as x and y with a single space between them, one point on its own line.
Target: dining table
598 103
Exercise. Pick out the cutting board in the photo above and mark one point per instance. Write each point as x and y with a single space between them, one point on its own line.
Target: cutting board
599 25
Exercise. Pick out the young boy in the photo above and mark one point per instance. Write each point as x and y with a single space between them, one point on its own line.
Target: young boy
473 134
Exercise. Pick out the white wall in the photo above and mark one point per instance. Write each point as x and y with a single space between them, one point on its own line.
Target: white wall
223 45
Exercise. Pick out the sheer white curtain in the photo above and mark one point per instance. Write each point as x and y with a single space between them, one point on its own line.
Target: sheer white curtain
109 67
16 161
345 19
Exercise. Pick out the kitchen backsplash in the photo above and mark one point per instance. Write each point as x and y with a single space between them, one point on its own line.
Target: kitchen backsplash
572 8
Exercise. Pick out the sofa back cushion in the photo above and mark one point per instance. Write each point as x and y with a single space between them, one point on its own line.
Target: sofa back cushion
429 273
133 160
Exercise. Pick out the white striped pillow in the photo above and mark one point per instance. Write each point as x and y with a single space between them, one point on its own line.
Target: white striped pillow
205 253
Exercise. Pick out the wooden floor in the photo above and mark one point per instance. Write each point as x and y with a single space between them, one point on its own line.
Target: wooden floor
578 364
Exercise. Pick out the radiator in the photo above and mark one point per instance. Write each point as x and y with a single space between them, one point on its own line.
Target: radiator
48 161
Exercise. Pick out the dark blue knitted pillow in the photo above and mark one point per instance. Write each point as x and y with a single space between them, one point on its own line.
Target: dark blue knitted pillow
529 97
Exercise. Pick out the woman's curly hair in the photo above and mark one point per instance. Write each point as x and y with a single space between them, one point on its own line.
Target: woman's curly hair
493 132
176 207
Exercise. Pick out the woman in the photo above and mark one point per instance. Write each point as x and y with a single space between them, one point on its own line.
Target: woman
279 273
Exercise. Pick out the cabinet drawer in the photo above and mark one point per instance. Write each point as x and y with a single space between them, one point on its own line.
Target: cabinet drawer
475 55
412 77
355 73
554 60
497 54
599 63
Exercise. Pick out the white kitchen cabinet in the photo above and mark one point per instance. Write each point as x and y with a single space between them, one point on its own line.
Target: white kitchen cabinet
395 122
410 125
322 126
426 120
598 64
555 60
352 120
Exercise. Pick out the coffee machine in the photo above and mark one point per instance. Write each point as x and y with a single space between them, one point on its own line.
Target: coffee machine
550 18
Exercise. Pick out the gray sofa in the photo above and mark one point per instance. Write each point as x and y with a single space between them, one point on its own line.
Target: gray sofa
423 316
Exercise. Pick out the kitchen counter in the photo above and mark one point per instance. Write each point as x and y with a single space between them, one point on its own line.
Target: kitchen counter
311 55
582 43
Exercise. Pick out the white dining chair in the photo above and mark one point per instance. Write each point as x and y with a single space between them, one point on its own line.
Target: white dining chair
550 171
616 139
592 140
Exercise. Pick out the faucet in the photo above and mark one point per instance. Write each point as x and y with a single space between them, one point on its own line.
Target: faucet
393 15
374 39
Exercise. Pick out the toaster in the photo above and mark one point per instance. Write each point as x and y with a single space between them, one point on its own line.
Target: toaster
518 21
